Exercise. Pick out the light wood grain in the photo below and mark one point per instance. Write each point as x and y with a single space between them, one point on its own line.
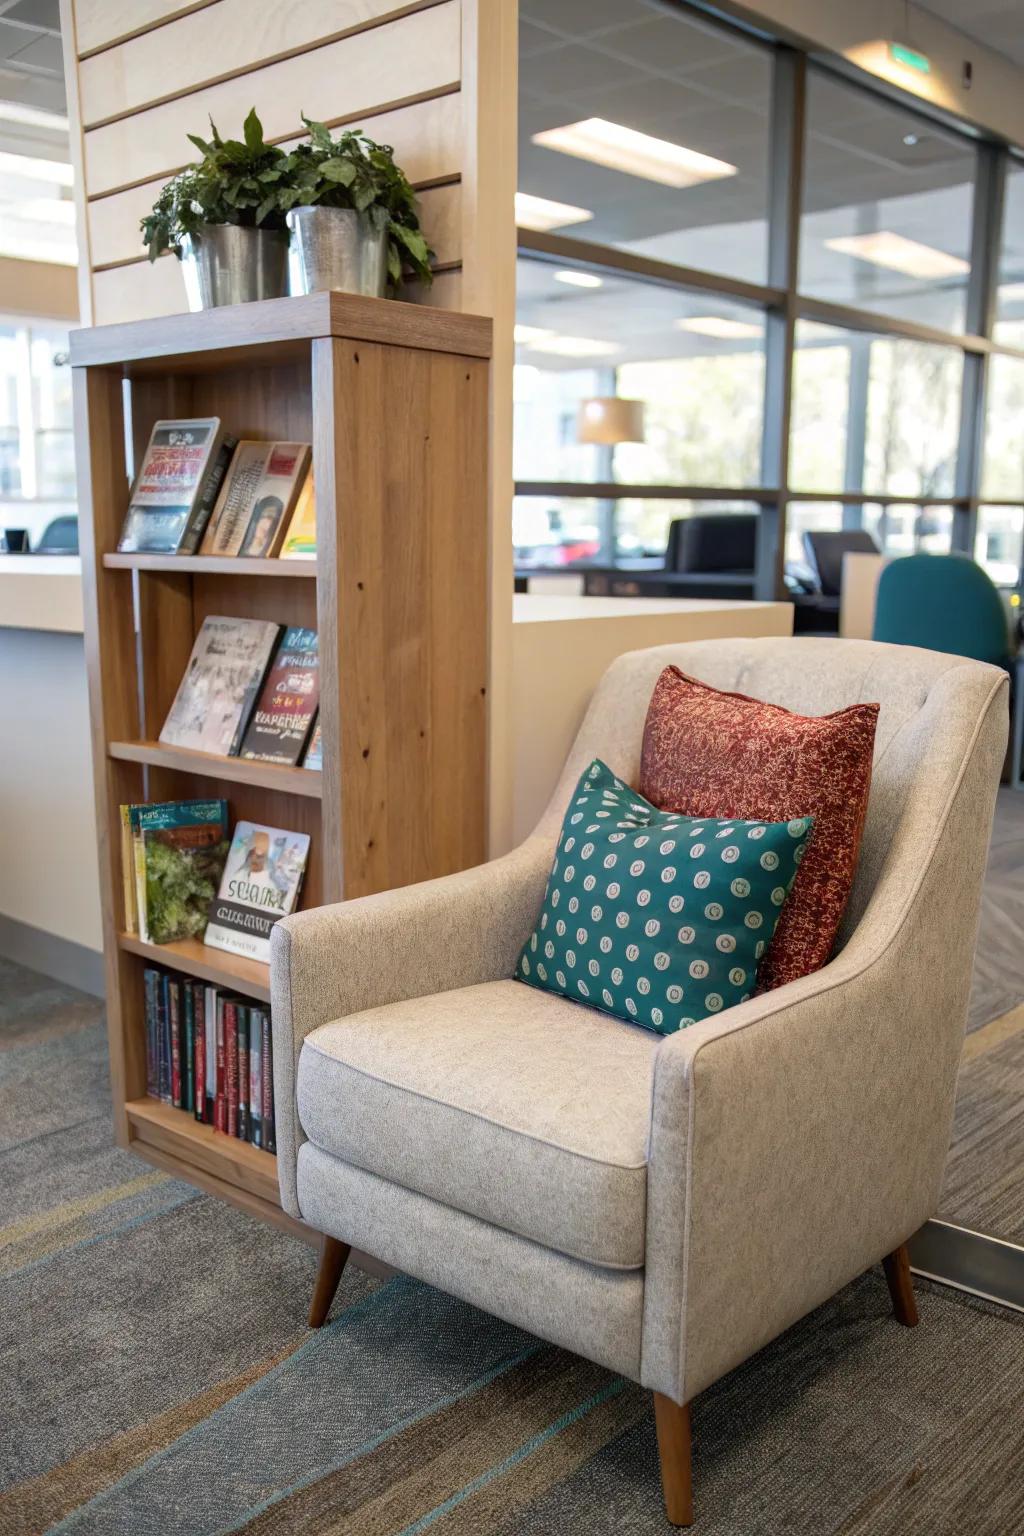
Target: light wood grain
241 566
232 770
231 38
403 61
101 23
244 334
192 958
177 1132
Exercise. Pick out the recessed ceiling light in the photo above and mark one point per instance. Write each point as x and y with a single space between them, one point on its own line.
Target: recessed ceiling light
720 326
525 335
579 279
541 213
638 154
574 346
896 252
33 168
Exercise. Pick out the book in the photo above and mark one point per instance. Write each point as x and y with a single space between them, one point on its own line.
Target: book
212 482
314 757
269 1137
184 845
188 1048
220 1112
255 1079
221 684
198 1049
151 985
242 1014
174 1016
131 912
260 885
138 870
210 1032
300 538
163 1024
284 712
231 1066
257 498
170 484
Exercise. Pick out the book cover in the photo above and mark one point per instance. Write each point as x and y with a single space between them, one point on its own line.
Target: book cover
300 538
284 712
138 857
164 1038
314 757
188 1048
185 844
243 1013
231 1066
210 1030
174 1013
207 498
269 1138
255 1079
131 916
169 484
151 983
221 683
198 1050
220 1114
260 885
256 499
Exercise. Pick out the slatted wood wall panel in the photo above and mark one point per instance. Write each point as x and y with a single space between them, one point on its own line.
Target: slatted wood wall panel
148 72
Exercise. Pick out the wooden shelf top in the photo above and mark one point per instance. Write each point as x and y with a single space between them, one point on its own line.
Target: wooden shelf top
235 770
275 328
176 1132
211 565
216 966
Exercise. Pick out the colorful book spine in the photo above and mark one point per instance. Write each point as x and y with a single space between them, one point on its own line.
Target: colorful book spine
196 526
151 986
188 1046
243 1014
269 1139
255 1079
220 1119
198 992
231 1058
164 1040
210 1024
174 1010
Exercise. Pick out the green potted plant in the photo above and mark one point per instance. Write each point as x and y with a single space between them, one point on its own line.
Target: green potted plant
224 221
352 215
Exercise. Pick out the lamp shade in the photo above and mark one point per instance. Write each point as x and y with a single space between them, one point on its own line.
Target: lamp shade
610 420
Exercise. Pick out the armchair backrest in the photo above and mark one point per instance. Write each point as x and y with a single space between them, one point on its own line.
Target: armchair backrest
932 708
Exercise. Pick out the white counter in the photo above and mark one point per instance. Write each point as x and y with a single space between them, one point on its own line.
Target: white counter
562 645
41 592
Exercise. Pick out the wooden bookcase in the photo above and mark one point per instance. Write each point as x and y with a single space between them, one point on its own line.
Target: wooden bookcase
394 399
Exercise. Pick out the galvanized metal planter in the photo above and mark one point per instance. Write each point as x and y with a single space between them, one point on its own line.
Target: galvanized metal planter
337 248
232 264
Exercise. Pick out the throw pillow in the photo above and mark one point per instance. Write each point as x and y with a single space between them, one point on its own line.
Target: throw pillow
657 918
707 753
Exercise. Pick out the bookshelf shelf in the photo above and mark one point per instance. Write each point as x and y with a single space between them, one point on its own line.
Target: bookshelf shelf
209 565
232 770
216 966
394 399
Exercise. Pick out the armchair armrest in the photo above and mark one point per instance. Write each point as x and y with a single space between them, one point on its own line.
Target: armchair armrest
412 942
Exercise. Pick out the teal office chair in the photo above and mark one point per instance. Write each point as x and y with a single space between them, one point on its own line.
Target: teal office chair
943 603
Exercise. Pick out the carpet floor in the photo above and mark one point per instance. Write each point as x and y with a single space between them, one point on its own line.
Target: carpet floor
157 1375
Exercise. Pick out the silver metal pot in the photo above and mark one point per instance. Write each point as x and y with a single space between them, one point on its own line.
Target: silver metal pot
337 248
231 264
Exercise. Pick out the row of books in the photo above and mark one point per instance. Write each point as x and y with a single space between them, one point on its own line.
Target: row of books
201 491
251 689
184 878
209 1052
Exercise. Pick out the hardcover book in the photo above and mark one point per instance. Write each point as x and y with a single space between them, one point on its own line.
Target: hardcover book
257 499
185 844
221 683
314 757
269 1132
260 885
170 484
300 539
280 722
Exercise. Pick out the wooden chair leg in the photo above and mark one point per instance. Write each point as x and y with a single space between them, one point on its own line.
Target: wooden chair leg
901 1287
673 1424
333 1258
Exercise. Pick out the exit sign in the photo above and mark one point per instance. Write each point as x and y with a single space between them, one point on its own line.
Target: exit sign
910 58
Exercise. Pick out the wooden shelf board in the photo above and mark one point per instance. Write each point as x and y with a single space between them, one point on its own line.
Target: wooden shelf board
211 565
179 1134
236 770
216 966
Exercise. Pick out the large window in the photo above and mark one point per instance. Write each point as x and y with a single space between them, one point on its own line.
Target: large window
36 446
658 374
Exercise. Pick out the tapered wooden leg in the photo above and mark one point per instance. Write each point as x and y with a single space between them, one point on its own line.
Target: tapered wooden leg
901 1287
673 1424
333 1258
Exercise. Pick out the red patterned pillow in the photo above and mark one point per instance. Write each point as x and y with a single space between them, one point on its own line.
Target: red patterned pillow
708 753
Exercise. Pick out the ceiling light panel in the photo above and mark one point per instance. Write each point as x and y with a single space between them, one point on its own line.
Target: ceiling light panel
898 254
543 214
574 346
637 154
576 279
720 326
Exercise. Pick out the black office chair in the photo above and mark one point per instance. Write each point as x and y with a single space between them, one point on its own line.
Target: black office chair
712 542
825 553
59 537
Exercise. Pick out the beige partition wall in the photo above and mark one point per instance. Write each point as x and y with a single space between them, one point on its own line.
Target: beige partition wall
434 78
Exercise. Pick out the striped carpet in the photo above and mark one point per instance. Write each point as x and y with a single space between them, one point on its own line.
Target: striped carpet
156 1376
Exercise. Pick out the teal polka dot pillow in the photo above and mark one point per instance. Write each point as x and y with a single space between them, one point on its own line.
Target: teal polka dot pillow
656 918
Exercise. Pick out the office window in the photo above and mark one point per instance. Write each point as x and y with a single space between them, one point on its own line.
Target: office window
1009 321
561 530
642 525
873 413
1003 463
650 127
888 197
809 517
899 529
999 545
36 445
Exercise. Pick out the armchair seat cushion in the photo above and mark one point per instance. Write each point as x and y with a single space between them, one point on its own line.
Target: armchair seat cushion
515 1106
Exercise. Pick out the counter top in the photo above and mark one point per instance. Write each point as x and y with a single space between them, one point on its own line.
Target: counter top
41 592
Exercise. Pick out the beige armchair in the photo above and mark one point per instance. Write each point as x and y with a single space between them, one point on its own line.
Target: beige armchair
661 1206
